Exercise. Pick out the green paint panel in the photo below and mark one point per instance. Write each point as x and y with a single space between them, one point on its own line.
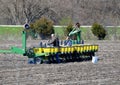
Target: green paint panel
17 50
5 51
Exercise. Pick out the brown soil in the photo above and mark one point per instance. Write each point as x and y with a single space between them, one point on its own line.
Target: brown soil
14 69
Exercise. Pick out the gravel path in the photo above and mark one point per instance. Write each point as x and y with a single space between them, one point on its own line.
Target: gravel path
14 69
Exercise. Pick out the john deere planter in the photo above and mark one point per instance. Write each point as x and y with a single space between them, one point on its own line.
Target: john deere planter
37 55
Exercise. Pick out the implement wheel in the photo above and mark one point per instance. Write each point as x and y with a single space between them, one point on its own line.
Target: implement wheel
38 61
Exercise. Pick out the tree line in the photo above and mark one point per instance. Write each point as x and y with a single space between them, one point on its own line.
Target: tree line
17 12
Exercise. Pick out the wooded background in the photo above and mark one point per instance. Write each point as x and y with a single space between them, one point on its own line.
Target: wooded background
17 12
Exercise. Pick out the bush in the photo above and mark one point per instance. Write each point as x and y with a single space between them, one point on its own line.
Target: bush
99 31
43 27
68 29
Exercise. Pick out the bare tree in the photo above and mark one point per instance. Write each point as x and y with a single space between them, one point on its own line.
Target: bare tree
19 11
84 11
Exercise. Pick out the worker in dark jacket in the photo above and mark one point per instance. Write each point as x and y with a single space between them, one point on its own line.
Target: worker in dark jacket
54 40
